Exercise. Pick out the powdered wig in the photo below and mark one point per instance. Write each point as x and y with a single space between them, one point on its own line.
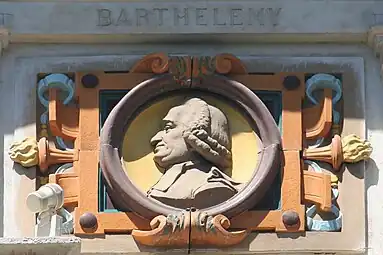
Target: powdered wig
208 132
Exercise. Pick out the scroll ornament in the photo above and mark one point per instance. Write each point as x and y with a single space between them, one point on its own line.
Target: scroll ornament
329 118
202 229
64 84
30 153
349 149
323 81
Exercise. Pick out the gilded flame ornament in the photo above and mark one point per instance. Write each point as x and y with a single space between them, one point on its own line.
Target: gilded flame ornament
25 152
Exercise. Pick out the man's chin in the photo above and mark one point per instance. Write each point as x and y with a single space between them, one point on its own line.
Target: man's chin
159 162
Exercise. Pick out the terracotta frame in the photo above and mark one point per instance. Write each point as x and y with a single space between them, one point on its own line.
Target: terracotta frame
352 237
127 196
88 145
292 137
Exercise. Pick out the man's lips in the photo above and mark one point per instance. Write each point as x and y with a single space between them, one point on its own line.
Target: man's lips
158 146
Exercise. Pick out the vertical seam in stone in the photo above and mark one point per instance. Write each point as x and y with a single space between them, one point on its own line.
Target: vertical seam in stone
191 71
190 226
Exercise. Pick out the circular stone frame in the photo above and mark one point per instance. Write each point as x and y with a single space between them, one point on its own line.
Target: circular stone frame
127 197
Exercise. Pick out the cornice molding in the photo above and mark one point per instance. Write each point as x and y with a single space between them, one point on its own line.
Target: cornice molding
374 39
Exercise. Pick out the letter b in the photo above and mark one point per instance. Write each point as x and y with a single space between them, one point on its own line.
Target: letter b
104 17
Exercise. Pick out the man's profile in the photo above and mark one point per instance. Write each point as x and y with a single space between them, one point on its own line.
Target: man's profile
194 148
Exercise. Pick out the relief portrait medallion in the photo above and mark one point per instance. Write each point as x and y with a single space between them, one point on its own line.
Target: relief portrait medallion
160 156
192 148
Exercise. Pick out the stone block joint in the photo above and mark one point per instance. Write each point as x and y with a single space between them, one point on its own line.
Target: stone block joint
4 39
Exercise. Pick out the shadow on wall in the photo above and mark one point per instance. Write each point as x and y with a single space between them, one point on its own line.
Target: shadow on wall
372 174
19 169
371 179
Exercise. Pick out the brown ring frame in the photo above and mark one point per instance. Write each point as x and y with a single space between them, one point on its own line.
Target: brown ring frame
128 197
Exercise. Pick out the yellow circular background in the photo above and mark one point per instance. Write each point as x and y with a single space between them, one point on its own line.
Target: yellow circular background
137 155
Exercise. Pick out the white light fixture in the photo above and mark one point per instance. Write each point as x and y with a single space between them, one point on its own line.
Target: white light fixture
46 201
49 196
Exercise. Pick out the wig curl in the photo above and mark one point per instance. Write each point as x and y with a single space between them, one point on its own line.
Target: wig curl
208 132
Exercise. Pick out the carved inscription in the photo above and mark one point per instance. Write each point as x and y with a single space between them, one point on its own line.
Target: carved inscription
178 17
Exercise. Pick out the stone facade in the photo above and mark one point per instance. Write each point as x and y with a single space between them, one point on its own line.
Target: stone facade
275 36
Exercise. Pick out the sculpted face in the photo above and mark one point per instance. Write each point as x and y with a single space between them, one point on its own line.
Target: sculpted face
193 130
169 144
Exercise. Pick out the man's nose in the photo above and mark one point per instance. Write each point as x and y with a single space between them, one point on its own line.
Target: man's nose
156 139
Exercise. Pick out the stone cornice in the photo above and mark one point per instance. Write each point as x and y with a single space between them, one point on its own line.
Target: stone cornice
42 29
164 20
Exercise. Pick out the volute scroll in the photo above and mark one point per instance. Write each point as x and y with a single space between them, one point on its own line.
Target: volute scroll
190 226
157 63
